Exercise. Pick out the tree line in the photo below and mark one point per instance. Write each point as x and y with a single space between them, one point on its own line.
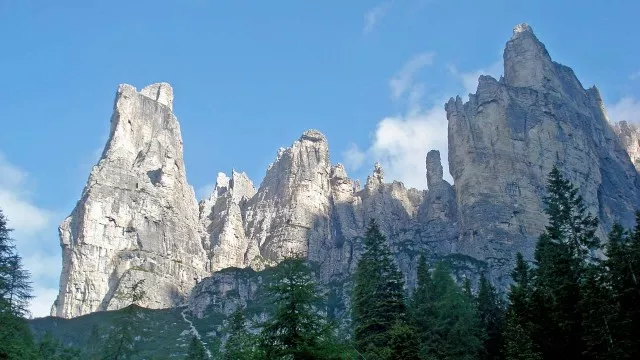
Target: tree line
578 299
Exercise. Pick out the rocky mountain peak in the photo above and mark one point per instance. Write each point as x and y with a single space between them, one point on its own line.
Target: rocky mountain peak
137 218
160 92
434 169
526 60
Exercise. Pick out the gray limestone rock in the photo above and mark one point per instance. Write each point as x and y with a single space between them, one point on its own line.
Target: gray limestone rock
137 217
504 141
629 135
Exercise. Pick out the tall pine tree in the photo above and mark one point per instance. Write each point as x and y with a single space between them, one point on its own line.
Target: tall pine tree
491 313
378 299
518 343
422 309
562 254
241 344
16 341
297 329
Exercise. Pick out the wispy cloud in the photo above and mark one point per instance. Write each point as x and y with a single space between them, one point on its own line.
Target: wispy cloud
401 142
404 81
373 16
469 79
34 232
627 109
635 75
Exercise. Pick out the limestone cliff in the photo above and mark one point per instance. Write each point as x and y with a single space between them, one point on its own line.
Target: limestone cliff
137 217
504 141
629 135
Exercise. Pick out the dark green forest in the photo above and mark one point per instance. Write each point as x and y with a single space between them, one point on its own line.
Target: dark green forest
578 299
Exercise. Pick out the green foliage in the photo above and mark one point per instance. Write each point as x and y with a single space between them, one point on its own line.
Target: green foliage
458 333
378 298
50 348
404 342
422 309
15 287
491 314
16 341
196 350
518 345
561 257
622 287
121 343
296 330
241 344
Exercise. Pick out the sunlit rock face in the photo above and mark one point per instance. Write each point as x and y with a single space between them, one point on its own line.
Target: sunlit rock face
629 135
504 141
137 218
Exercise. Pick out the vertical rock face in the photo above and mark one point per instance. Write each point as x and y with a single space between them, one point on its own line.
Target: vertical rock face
223 218
629 135
290 212
505 140
137 217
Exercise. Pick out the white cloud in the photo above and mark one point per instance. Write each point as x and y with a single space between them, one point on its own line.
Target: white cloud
405 80
627 109
469 79
34 232
353 157
401 144
373 16
635 75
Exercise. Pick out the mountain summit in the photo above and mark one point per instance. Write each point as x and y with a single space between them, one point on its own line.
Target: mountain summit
138 218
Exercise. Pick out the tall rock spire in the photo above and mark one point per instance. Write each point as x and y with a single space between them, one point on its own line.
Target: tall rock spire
504 141
137 218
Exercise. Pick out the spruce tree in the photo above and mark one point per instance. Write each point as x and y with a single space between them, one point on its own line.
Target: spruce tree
491 313
422 309
562 253
378 298
16 340
458 332
241 344
15 287
296 329
196 350
120 343
623 274
517 340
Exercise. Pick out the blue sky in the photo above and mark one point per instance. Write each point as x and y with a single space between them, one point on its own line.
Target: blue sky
251 76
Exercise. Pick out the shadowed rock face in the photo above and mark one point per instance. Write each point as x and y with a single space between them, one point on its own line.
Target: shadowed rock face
138 218
504 141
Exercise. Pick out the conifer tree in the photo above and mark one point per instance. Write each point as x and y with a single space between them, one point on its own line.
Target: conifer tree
240 345
622 272
561 255
120 343
491 313
517 334
15 287
378 300
16 341
422 309
196 350
458 331
296 330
